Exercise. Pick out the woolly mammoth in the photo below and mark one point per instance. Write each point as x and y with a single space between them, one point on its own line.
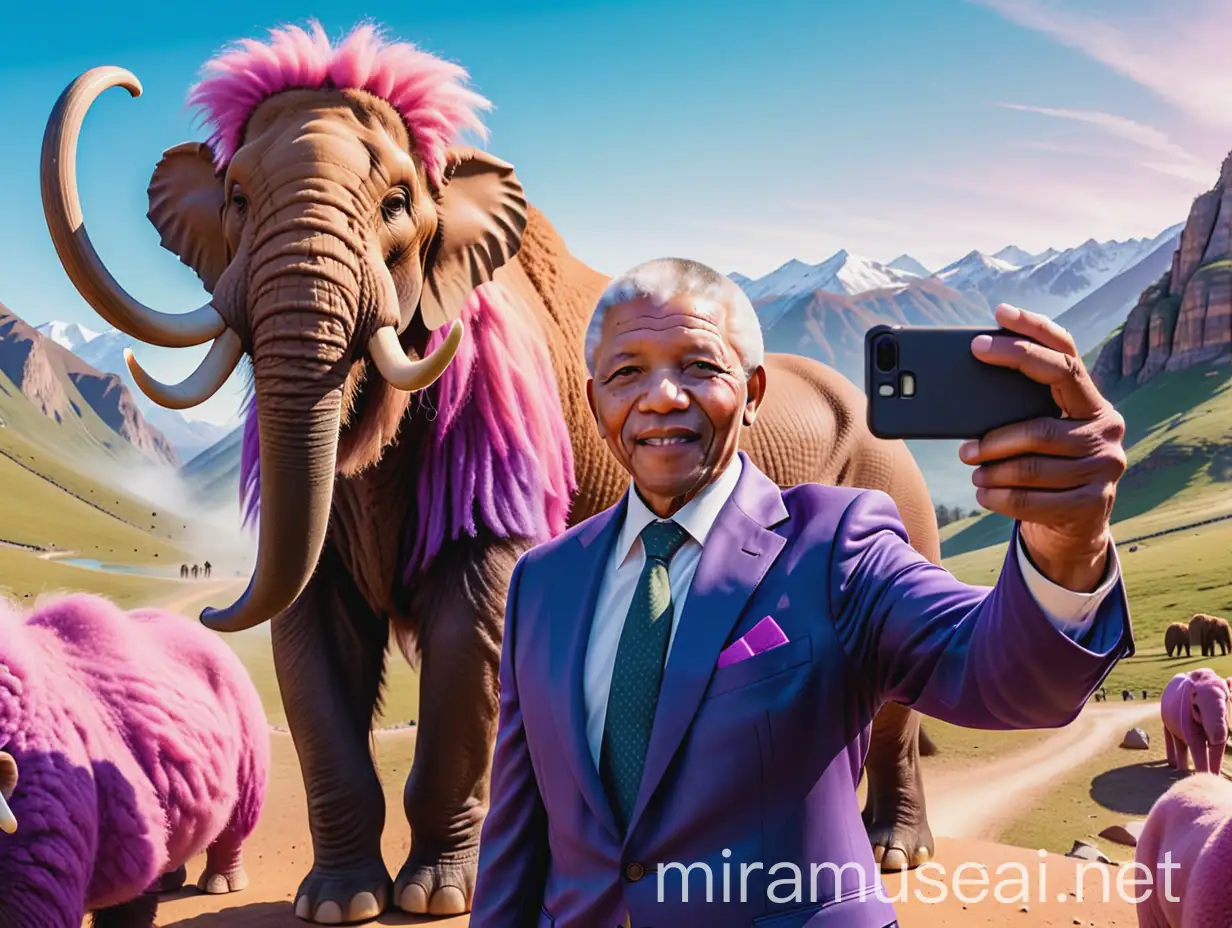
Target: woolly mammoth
1195 709
1186 848
1175 638
1207 631
396 466
131 742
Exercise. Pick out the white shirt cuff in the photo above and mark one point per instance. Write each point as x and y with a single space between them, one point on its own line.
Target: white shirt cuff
1072 612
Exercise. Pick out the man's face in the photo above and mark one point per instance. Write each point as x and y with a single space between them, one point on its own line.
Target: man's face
669 395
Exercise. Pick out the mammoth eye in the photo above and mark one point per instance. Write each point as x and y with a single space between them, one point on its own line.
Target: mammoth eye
395 204
238 200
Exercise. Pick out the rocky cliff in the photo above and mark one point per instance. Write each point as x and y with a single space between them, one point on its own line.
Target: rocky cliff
1184 318
63 387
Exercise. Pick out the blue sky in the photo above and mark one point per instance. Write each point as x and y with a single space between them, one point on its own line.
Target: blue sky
738 133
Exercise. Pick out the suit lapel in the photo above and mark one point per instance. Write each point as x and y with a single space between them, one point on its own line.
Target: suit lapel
739 551
576 596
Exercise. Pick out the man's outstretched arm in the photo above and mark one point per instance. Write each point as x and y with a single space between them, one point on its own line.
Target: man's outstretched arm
970 655
513 847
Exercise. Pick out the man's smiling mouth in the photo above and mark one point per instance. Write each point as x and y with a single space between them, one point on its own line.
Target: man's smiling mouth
660 437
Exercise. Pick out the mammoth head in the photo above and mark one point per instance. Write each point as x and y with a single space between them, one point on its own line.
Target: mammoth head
336 224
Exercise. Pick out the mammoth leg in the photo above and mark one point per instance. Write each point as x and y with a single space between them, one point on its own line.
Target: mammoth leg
329 653
170 882
894 814
460 616
1170 748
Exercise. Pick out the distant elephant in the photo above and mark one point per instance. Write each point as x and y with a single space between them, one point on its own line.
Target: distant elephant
1186 848
194 571
183 571
383 238
1208 631
1177 637
207 569
1195 708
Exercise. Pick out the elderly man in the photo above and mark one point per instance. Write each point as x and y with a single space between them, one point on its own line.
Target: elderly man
723 645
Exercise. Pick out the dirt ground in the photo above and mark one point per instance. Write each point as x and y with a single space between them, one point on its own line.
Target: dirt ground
279 855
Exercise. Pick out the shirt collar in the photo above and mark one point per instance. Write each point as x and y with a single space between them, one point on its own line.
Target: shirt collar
696 516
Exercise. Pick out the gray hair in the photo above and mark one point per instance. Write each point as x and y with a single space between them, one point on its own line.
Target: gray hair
660 280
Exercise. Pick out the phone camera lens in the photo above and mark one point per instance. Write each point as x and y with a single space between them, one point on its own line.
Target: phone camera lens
885 353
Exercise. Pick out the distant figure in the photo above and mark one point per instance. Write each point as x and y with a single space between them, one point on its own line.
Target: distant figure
207 568
183 571
1126 695
1144 696
1103 691
194 571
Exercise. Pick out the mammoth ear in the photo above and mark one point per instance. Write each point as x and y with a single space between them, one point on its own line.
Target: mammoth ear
186 199
482 215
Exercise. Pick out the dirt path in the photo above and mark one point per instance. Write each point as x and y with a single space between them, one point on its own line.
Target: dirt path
198 593
972 803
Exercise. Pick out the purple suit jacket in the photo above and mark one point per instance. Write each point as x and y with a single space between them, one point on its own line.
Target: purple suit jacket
756 763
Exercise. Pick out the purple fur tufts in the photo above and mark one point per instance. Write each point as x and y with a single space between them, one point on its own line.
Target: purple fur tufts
500 451
140 742
250 466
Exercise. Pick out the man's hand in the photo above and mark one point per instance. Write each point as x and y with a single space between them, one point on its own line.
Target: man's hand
1057 476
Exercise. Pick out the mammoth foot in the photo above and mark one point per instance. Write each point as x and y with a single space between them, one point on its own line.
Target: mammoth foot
341 897
437 886
217 884
899 833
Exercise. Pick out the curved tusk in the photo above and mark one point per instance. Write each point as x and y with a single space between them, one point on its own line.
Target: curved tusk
401 371
198 386
62 209
8 821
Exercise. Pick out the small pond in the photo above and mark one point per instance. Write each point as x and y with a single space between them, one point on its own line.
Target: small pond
92 564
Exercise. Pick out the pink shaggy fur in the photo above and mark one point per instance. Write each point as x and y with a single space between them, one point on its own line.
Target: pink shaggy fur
428 92
140 742
1192 824
499 440
499 451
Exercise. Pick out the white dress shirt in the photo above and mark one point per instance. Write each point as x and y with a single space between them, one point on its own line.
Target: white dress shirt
1072 612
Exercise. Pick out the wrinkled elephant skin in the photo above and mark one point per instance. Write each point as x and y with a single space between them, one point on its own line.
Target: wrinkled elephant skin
1186 847
331 226
1195 709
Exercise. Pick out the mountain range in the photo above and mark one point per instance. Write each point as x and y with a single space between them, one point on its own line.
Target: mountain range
823 310
105 351
70 406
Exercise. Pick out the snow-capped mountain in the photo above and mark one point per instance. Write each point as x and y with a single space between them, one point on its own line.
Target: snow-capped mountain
71 335
1052 281
1048 282
105 352
842 272
909 265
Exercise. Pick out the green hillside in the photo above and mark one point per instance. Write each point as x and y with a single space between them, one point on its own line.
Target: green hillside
1179 443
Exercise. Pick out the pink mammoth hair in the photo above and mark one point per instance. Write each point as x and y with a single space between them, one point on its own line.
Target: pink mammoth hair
498 452
428 92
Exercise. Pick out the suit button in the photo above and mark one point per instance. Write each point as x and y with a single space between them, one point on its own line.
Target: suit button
634 872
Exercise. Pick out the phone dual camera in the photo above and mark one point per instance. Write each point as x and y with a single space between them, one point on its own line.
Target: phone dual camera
890 380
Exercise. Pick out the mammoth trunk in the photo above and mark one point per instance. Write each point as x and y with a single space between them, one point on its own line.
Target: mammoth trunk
298 397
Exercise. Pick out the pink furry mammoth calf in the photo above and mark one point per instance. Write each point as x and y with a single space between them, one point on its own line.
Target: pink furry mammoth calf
129 743
1195 708
1186 845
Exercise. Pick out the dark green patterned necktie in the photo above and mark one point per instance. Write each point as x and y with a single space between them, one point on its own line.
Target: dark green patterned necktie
639 671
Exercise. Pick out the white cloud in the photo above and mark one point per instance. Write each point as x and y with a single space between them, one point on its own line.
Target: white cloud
1119 126
1179 51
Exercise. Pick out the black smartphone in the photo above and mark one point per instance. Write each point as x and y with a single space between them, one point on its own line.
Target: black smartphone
924 382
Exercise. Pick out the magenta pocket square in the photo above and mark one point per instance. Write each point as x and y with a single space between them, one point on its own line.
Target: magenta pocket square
763 636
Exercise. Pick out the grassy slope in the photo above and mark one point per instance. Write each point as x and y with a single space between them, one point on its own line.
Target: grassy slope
1190 412
1115 787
